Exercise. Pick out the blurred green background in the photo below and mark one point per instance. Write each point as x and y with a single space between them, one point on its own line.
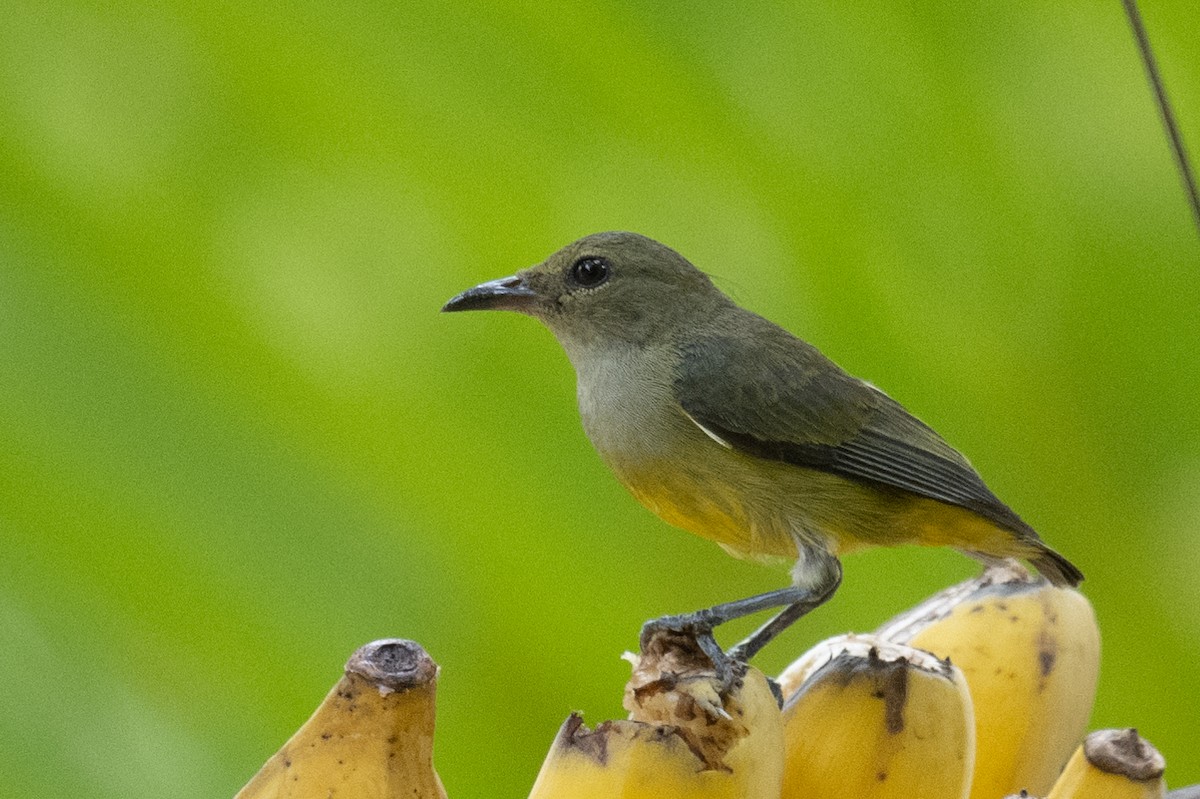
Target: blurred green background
237 440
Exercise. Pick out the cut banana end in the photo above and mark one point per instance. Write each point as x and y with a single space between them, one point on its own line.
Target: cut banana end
1112 764
869 719
1031 656
371 738
684 736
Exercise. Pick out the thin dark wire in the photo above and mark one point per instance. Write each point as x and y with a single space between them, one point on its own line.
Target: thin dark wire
1164 106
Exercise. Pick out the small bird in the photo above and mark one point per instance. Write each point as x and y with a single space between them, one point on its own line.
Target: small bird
728 426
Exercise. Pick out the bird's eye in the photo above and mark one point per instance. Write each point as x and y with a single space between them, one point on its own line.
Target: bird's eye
589 272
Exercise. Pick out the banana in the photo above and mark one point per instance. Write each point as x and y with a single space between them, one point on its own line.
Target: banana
686 737
1112 764
869 719
371 738
1031 656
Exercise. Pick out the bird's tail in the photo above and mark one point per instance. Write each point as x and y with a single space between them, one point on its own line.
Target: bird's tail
1055 568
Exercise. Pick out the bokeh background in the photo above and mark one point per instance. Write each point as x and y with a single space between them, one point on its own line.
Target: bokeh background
237 439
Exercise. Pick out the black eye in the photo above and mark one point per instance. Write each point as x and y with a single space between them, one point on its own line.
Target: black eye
589 272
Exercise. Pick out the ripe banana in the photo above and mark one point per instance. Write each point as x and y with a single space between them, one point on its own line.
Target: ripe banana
1031 656
869 719
371 738
685 738
1112 764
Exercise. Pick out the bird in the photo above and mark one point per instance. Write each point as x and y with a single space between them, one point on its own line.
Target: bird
728 426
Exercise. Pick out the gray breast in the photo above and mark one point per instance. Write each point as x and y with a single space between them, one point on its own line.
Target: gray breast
627 403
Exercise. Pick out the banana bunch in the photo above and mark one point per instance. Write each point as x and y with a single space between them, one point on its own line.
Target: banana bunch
372 737
1030 654
981 692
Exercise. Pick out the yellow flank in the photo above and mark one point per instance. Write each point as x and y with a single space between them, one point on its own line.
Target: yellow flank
705 515
939 524
759 508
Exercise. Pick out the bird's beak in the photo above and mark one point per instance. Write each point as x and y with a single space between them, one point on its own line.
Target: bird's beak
505 294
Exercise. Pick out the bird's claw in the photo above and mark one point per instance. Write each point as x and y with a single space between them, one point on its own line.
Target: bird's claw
698 628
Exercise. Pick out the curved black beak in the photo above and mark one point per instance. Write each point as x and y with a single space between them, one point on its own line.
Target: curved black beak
505 294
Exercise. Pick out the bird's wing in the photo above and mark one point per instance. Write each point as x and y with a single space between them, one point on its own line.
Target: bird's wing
774 396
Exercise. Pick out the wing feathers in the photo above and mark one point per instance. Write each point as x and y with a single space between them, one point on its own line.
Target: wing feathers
775 397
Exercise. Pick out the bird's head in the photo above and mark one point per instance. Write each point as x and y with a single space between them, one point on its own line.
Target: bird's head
605 288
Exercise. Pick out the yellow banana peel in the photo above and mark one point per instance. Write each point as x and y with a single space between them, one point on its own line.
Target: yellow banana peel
982 691
1112 764
686 737
870 719
371 738
1030 653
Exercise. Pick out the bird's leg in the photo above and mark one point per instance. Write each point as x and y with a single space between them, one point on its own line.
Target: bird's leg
806 599
702 623
818 574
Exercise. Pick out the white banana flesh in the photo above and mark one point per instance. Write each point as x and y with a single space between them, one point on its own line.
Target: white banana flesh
686 738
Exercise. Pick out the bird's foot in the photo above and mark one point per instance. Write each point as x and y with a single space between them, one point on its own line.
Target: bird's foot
698 628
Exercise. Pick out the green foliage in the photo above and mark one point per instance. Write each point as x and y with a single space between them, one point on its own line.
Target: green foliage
237 440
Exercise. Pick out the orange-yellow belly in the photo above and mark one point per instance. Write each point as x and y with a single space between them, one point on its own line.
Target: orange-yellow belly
758 509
